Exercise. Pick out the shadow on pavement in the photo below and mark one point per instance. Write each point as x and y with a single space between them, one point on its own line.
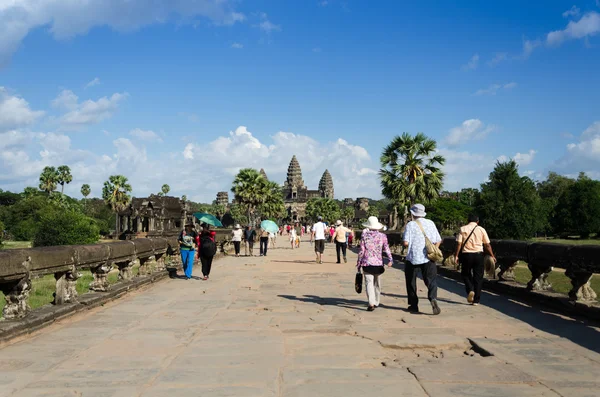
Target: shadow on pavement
340 302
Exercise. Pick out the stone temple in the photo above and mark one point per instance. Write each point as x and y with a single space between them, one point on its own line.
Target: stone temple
296 194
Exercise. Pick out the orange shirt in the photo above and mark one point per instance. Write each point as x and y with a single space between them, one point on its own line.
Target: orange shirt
476 241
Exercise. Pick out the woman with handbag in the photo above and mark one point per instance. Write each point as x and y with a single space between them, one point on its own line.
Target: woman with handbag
370 259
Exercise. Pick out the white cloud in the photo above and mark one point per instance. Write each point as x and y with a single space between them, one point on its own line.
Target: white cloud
587 26
238 46
82 114
583 155
525 158
493 89
572 12
465 169
323 3
472 64
529 46
70 18
145 135
498 58
93 83
15 111
472 129
269 26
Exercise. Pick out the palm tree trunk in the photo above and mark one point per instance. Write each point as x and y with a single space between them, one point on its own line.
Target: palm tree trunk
62 188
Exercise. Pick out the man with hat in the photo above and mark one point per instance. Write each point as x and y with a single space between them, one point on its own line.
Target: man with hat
236 238
340 237
188 241
318 236
416 258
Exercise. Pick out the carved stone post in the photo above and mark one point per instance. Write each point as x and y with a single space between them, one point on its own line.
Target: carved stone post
539 277
66 286
100 274
581 291
160 263
16 296
507 270
126 270
147 265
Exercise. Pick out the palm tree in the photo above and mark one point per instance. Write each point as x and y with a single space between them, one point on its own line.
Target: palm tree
184 198
248 188
48 179
85 190
64 176
115 194
410 171
165 189
272 206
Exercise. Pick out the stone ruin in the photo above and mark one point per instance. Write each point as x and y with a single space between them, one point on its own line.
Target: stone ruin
153 215
223 199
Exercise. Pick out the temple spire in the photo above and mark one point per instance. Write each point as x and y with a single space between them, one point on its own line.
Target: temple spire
263 173
294 174
326 185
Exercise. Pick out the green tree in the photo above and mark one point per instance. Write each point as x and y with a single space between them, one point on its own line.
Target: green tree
348 215
1 233
249 188
116 194
325 207
239 214
272 205
509 205
448 214
85 190
165 189
184 198
64 177
550 191
410 171
49 179
468 196
65 228
578 208
373 211
30 192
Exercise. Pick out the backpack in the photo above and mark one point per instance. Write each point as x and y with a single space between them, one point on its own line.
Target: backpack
207 246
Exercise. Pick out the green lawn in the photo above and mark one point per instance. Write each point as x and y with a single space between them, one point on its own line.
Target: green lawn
571 241
7 245
560 282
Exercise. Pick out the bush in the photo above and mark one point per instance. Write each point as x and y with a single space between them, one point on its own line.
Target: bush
65 227
24 230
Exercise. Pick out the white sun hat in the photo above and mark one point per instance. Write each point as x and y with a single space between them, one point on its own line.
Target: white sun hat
338 223
373 223
418 210
237 226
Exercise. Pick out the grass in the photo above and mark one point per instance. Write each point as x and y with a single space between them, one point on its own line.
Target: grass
560 282
8 245
43 288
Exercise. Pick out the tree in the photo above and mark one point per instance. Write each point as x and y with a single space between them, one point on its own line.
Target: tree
115 194
49 179
509 205
65 228
448 214
165 189
272 205
9 198
248 188
468 196
85 190
325 207
578 208
64 176
550 192
348 215
1 233
410 171
238 213
184 198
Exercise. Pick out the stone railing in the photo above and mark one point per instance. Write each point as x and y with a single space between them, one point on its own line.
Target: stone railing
580 262
19 267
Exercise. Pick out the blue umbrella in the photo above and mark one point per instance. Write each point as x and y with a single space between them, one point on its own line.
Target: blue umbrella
269 226
208 219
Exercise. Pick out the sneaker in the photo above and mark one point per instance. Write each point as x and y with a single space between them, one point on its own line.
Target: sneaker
435 307
475 303
345 260
338 262
413 309
370 308
471 297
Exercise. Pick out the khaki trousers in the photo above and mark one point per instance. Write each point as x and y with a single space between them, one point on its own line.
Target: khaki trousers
373 288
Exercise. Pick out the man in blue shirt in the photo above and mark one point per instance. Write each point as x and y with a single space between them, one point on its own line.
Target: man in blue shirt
416 258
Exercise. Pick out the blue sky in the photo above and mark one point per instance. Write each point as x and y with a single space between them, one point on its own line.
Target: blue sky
187 92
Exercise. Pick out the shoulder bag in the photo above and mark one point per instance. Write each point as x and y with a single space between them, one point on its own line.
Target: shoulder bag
434 254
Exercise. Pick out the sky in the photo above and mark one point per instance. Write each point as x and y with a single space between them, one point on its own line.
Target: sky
187 92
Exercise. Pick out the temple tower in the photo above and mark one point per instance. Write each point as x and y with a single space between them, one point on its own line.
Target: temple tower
326 185
223 199
294 175
263 173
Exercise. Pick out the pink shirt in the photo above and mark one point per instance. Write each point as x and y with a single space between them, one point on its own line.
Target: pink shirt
371 244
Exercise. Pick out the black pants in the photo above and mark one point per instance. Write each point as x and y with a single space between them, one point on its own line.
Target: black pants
236 245
429 273
206 264
340 247
264 245
472 272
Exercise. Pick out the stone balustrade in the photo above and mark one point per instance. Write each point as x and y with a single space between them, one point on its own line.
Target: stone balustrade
580 262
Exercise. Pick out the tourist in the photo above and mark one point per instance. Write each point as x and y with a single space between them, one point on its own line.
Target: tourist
318 236
272 239
188 241
350 237
370 259
236 238
207 250
264 242
472 242
249 237
288 228
340 238
293 236
416 258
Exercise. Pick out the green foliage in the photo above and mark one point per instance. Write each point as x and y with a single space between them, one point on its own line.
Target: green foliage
165 189
184 198
238 213
8 198
96 208
65 227
509 205
325 207
578 208
550 191
448 214
64 176
1 233
260 197
49 179
115 192
272 206
348 215
468 196
85 190
410 170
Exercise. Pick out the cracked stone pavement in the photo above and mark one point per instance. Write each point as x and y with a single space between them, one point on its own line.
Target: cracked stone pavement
283 325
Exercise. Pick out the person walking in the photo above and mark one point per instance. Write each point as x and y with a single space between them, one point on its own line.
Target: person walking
340 237
249 237
188 241
207 249
318 236
293 236
264 242
416 258
272 239
370 259
237 234
472 242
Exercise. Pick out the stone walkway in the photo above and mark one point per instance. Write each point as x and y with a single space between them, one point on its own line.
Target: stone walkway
282 325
